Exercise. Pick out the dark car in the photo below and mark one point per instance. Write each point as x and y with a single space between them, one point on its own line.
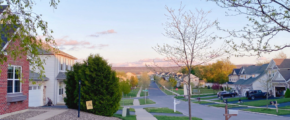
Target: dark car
221 92
253 94
228 94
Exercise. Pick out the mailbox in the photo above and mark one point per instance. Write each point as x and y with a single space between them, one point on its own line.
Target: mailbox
233 112
272 102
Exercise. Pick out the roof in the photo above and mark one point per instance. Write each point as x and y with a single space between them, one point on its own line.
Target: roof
59 52
282 63
36 77
61 76
2 8
4 33
285 73
237 71
261 70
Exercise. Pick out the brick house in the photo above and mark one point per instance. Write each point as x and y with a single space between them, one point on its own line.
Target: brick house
14 79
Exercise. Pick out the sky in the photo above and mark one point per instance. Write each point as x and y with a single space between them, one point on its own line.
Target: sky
124 32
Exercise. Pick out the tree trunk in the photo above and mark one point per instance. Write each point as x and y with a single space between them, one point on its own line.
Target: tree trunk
189 95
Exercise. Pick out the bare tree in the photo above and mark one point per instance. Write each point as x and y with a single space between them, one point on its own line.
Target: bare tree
281 55
192 40
266 84
267 18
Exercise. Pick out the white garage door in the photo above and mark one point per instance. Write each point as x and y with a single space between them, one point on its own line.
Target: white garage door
35 96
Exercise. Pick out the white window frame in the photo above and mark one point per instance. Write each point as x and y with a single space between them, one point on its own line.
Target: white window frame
13 79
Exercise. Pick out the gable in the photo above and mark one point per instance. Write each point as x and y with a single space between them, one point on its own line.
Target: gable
6 33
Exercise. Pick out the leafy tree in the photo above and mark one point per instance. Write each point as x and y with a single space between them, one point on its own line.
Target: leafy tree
267 18
134 81
184 70
172 82
287 93
125 86
19 16
98 83
145 80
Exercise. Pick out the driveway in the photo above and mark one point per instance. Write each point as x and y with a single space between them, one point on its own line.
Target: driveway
200 111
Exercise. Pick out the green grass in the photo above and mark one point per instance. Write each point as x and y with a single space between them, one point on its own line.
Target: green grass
179 97
265 102
148 101
133 93
160 110
207 98
130 109
196 96
125 102
179 91
202 102
130 117
206 91
231 99
285 107
174 118
269 111
167 92
143 93
223 105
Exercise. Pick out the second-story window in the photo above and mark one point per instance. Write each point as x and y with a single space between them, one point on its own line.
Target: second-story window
66 64
61 63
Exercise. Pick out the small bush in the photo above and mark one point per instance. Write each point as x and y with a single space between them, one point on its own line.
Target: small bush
287 93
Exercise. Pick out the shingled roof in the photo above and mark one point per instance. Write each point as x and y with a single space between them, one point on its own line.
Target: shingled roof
285 73
5 32
252 70
35 76
282 63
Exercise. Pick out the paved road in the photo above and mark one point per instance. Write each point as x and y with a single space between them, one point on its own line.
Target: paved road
200 111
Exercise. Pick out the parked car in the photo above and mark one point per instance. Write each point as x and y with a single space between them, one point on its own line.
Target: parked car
252 94
228 94
219 93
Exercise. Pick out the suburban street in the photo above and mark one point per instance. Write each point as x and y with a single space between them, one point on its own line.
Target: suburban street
200 111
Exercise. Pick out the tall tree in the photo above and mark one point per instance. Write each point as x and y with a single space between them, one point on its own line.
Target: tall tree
281 55
267 18
133 81
192 40
18 15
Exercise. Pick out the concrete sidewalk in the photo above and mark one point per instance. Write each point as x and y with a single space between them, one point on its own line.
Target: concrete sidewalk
139 92
47 114
136 102
142 114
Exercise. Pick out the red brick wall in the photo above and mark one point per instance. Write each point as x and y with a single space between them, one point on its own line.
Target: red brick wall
12 107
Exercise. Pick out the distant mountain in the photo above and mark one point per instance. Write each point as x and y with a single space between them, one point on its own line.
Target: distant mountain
245 65
138 70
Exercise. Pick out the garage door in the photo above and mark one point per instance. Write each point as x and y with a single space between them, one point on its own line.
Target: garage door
35 96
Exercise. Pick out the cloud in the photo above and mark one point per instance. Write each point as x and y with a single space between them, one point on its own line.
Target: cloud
262 58
141 63
64 41
74 48
100 46
103 33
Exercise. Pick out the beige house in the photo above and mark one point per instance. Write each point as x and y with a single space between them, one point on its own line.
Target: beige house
193 79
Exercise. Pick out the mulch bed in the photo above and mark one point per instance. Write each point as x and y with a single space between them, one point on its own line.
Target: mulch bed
24 115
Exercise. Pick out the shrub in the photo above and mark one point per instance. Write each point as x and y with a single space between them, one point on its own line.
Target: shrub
287 93
99 84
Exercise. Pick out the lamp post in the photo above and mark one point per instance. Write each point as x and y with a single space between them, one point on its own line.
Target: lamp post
79 97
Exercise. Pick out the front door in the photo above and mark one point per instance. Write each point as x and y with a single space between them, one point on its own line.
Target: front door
60 92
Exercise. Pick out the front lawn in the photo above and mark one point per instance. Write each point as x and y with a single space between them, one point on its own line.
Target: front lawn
167 92
130 109
125 102
201 102
207 98
196 96
269 111
174 118
161 110
285 107
223 105
232 99
148 101
133 93
130 117
179 91
265 102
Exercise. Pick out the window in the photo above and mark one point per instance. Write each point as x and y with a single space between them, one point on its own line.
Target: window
13 79
66 64
60 91
61 63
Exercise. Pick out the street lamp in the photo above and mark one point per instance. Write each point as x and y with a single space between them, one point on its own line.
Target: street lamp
79 97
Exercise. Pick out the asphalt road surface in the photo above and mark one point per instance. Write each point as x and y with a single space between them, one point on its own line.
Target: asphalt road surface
200 111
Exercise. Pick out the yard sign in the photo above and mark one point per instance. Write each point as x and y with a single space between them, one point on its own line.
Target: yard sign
89 105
